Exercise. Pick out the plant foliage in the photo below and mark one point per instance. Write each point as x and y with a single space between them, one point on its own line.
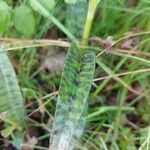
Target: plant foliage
11 101
74 89
4 17
24 21
75 83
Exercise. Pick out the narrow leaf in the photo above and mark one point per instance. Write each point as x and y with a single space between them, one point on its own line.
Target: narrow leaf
75 84
11 101
41 9
74 89
75 24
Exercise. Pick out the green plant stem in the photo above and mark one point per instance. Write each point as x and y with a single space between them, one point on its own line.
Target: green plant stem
90 16
108 108
37 6
62 28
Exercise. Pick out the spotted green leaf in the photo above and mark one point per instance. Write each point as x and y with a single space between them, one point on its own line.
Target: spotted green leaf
11 101
74 89
75 84
75 24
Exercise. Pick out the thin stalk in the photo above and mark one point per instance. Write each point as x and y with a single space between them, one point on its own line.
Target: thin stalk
108 108
62 28
37 6
90 16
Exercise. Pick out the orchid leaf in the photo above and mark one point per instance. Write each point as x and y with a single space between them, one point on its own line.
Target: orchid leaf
11 100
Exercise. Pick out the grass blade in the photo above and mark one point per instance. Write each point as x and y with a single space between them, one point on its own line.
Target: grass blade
41 9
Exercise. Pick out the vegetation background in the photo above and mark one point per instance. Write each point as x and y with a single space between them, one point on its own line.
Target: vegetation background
118 114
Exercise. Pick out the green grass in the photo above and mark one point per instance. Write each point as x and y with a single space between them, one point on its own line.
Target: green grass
118 114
